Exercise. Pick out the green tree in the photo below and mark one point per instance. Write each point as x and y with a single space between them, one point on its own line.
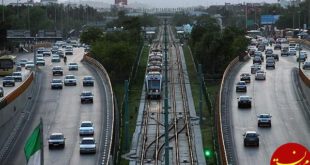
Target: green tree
91 35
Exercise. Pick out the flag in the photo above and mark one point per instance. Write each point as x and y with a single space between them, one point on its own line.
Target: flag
33 146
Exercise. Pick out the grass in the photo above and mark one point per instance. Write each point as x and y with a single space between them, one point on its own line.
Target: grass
207 125
134 96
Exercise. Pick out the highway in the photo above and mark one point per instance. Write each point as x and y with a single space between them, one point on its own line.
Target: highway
62 111
276 95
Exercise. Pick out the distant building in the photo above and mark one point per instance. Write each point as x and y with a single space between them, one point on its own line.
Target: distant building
121 2
286 3
45 2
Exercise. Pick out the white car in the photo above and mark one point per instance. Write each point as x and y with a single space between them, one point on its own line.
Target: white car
17 76
87 128
73 66
260 75
264 119
292 51
70 80
88 145
56 140
40 61
29 65
23 62
56 84
304 53
55 58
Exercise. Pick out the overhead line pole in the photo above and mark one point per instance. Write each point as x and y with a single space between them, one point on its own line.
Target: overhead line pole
166 99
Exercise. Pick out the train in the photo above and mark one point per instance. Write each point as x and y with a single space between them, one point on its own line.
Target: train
153 77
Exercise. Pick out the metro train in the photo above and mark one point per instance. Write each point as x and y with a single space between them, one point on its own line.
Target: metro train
153 77
153 85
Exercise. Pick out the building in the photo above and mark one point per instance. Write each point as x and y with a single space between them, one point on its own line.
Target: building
120 2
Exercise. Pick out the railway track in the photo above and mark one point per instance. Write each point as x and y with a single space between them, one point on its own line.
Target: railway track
180 138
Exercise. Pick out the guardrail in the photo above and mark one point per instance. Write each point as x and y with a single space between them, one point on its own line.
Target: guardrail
302 75
17 92
223 154
97 64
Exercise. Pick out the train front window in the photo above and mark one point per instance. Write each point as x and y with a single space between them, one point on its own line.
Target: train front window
154 84
6 64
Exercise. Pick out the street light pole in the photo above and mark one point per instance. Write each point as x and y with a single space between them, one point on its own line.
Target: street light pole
2 11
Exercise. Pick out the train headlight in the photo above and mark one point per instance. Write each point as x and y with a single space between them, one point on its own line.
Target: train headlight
157 90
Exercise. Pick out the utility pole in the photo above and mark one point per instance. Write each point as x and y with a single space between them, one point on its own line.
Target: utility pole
200 92
246 16
126 116
166 98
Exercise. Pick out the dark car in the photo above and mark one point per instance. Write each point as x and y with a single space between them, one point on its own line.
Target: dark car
306 65
56 140
88 81
57 70
285 52
241 86
245 77
275 56
8 81
277 46
244 102
268 51
257 60
87 97
250 138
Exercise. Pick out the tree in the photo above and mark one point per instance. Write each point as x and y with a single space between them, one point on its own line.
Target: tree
91 35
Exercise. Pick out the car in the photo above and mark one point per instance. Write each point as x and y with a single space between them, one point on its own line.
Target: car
56 140
47 53
1 92
245 77
68 52
301 58
257 60
260 54
23 62
304 53
260 75
40 61
88 81
255 68
17 76
88 145
264 119
73 66
285 51
87 128
252 51
277 46
57 70
244 102
241 86
261 47
292 51
275 56
87 97
70 80
18 68
55 58
54 49
39 55
306 65
56 84
29 65
268 51
251 138
40 50
8 81
60 53
270 63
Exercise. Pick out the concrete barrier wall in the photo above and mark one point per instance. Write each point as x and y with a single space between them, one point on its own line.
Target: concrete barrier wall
218 109
12 107
100 67
302 75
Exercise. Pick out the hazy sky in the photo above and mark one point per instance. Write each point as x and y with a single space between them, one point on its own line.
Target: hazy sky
188 3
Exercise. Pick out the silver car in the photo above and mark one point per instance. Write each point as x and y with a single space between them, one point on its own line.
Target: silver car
264 119
70 80
87 128
87 97
56 140
260 75
56 84
88 145
17 76
73 66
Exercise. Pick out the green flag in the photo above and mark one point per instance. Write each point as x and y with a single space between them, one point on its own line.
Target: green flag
33 143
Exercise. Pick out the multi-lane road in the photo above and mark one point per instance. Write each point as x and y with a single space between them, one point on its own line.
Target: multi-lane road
62 111
277 95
